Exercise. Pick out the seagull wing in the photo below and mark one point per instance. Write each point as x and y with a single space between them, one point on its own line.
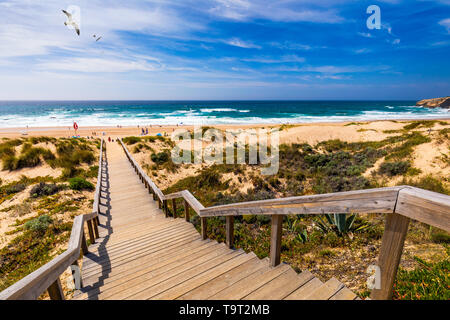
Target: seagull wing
67 14
77 29
98 39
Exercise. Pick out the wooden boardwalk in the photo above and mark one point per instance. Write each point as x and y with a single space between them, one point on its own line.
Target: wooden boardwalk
141 254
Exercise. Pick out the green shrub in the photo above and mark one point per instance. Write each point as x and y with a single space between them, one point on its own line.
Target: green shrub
394 168
160 158
15 188
263 219
428 183
80 184
440 237
131 140
9 163
249 218
420 124
44 189
39 225
29 158
429 281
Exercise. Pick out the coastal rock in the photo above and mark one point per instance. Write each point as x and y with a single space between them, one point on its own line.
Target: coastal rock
435 103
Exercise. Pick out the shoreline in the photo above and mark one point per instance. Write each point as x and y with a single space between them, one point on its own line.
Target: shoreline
7 130
312 133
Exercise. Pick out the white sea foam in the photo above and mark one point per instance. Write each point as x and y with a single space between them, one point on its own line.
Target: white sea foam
209 110
64 117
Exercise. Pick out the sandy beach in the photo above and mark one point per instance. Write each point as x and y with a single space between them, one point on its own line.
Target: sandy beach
292 133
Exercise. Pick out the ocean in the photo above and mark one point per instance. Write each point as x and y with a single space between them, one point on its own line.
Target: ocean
133 113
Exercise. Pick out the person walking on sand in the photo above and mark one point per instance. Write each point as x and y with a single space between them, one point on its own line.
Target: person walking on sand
109 139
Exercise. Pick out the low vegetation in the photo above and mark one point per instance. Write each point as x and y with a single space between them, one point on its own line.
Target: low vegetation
42 208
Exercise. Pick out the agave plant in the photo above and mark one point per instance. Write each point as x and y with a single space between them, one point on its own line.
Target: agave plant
340 223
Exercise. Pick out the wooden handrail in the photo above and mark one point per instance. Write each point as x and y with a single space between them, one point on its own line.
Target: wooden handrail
400 203
47 276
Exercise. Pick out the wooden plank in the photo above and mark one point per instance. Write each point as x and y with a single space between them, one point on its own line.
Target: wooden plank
154 266
225 280
326 291
344 294
152 291
275 240
390 253
278 288
305 290
145 284
425 206
249 284
148 263
186 286
381 200
230 231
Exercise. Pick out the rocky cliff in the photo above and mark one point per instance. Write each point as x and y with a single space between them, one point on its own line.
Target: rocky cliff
435 103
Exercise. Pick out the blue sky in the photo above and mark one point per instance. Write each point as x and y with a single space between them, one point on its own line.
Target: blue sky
224 49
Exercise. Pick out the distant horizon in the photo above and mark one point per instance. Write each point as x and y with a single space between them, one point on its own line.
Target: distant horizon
203 100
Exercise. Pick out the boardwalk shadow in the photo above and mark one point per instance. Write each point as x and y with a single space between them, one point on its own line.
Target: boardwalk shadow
101 258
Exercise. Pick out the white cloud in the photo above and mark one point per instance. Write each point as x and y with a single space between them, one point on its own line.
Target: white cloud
286 11
336 69
242 44
365 35
362 51
282 59
98 65
446 24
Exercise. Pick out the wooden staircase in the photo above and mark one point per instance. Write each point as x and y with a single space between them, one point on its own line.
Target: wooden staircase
141 254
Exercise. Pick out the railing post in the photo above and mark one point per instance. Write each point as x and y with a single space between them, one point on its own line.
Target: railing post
159 204
174 207
55 290
186 210
203 226
275 239
390 253
166 208
230 231
84 247
95 222
91 231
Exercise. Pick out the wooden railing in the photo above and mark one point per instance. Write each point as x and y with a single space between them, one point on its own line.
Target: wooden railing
47 277
400 203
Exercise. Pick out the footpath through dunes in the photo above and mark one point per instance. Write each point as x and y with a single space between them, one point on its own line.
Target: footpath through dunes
141 254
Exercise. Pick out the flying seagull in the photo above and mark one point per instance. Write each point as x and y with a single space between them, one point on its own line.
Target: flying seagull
70 22
97 38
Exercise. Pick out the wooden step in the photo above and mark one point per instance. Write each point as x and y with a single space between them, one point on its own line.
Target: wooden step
325 291
225 280
278 288
304 290
179 290
251 283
